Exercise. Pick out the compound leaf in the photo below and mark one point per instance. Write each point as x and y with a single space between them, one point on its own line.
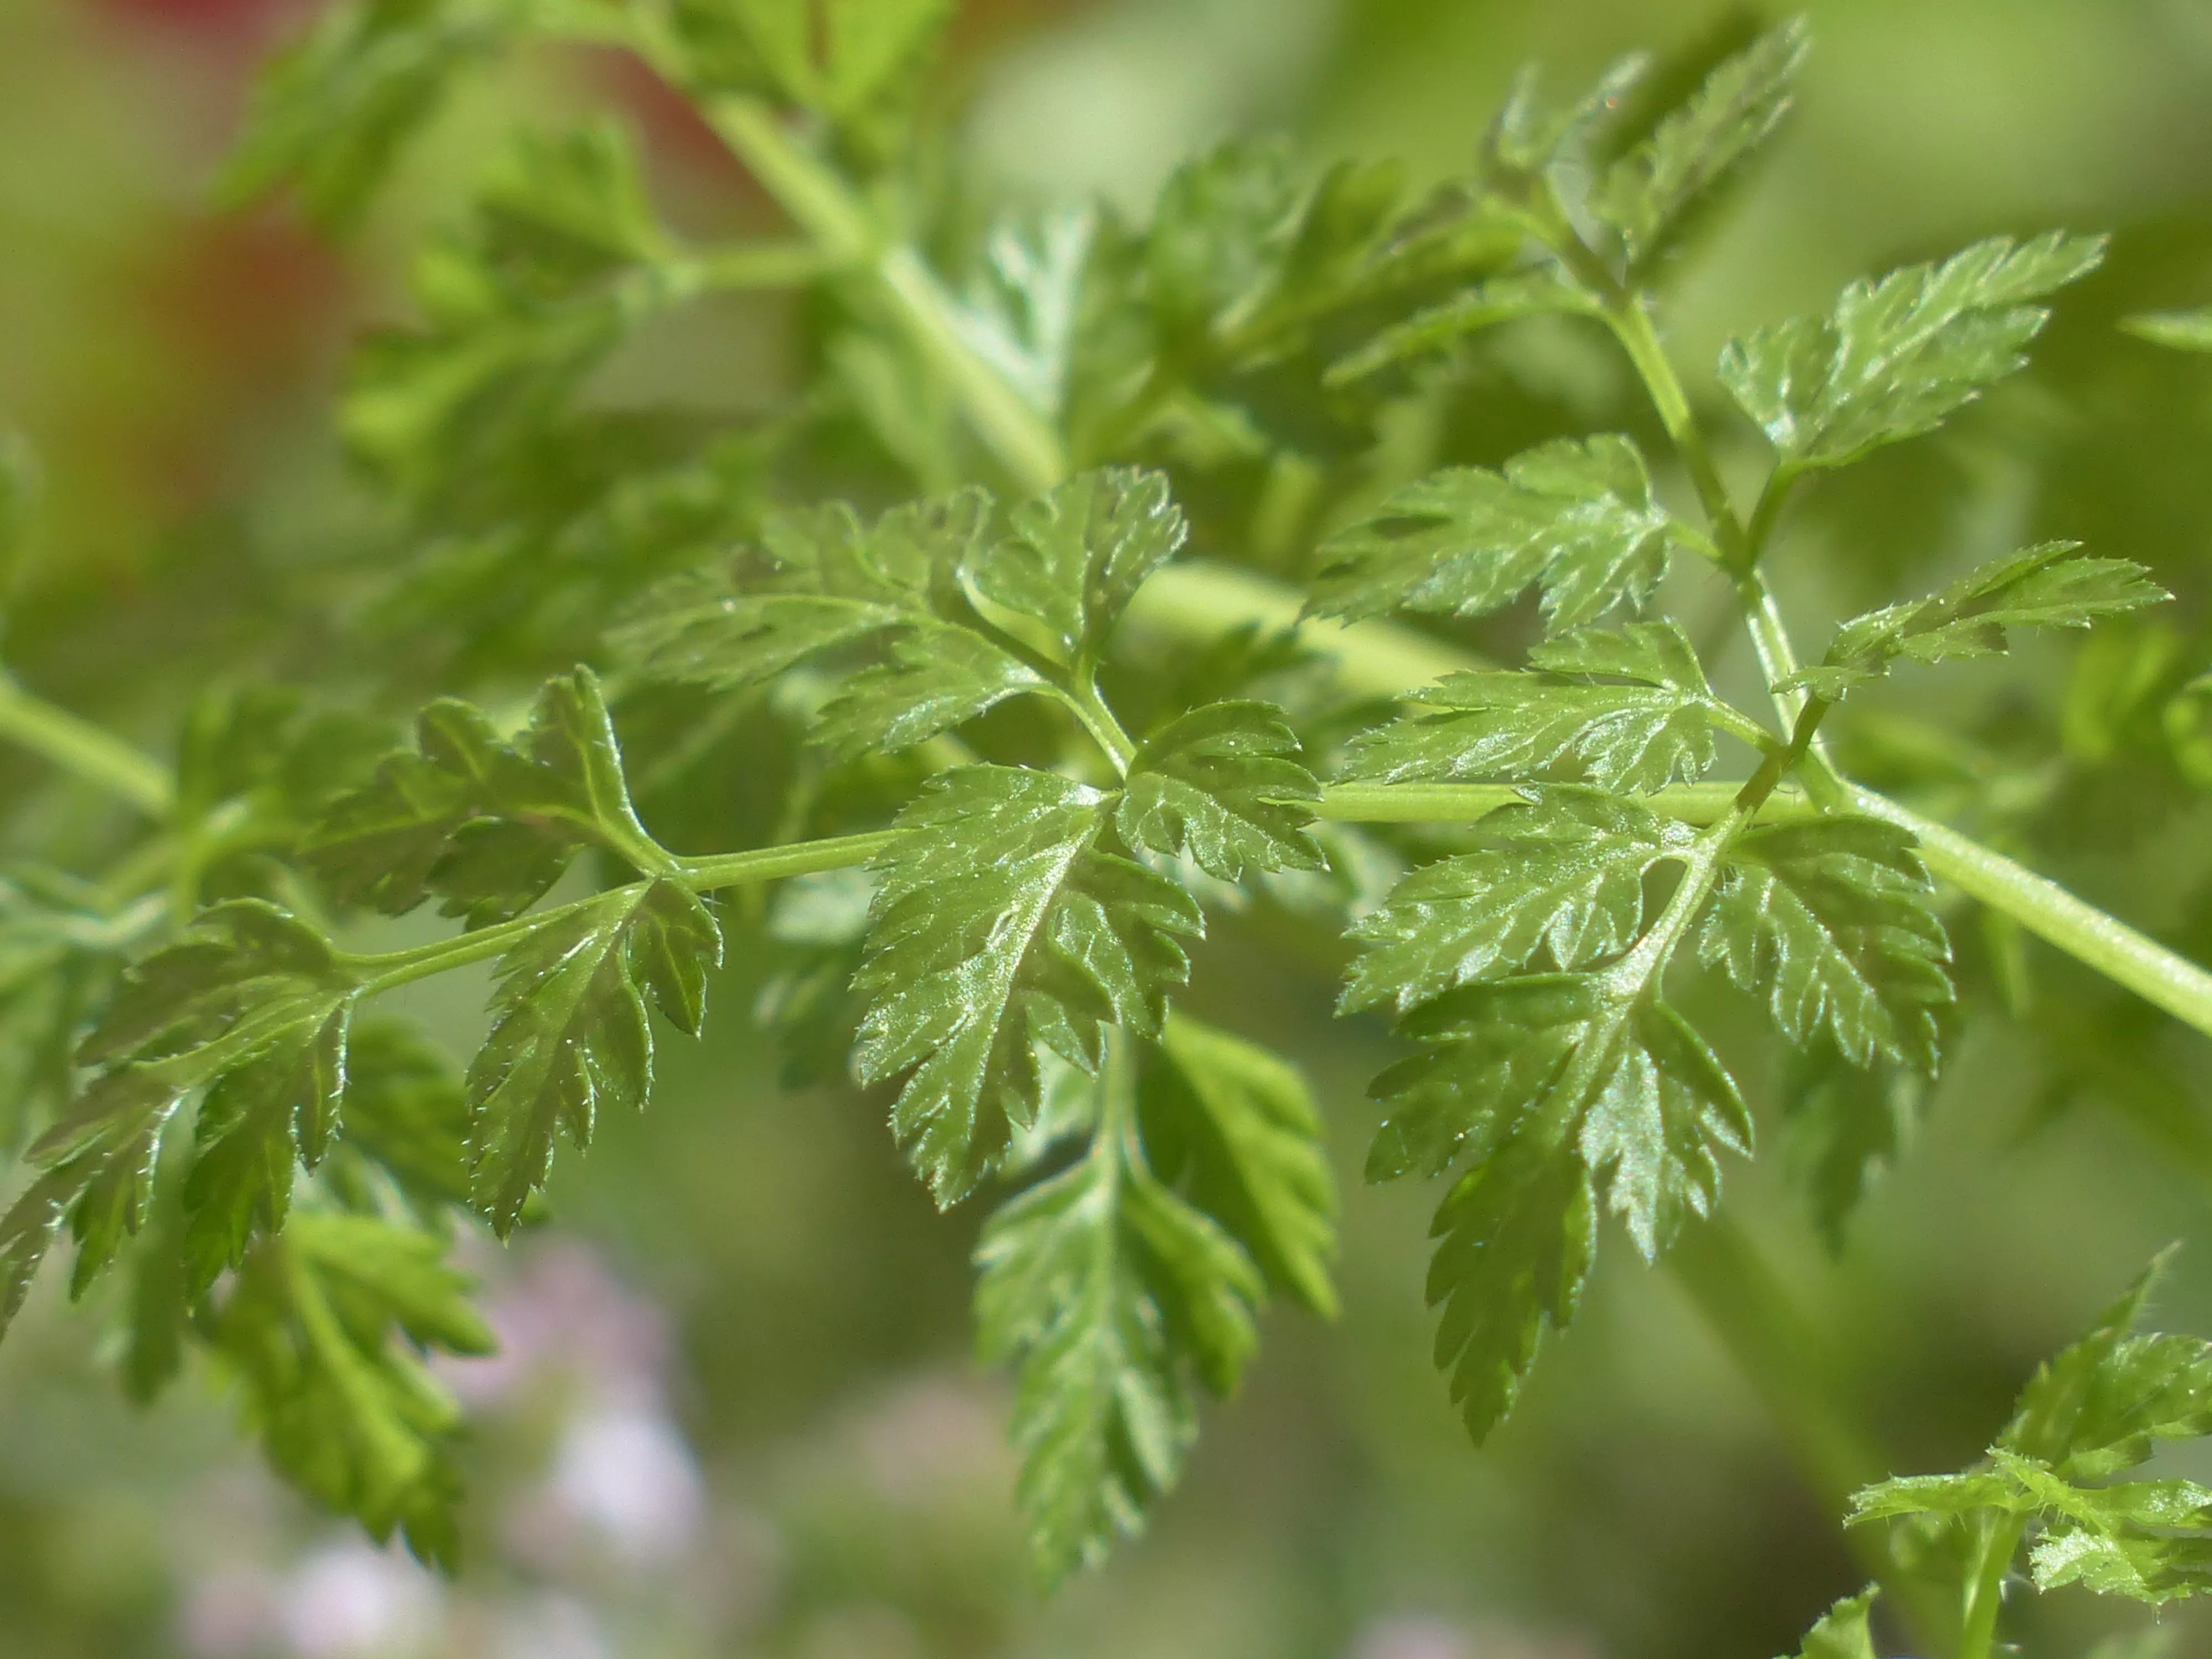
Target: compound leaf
1559 880
1896 357
324 1327
1645 195
1830 919
1001 925
1632 709
570 1035
1575 518
1845 1126
2047 586
1225 785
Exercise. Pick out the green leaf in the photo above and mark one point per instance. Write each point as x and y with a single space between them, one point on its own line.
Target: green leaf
1106 1288
1527 138
487 825
853 62
1219 230
1075 556
1001 925
1020 316
332 114
1830 919
570 1034
2184 331
1561 1057
1575 518
98 1176
1226 786
1631 708
1843 1632
1234 1128
2142 1568
828 591
1557 882
60 951
562 262
325 1328
406 1112
1514 1240
1898 356
2047 586
256 1125
1845 1126
1545 291
1645 195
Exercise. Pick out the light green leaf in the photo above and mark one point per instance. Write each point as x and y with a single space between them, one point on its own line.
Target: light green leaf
1226 786
1632 709
1898 356
1075 556
325 1327
1843 1632
62 945
2047 586
570 1034
1645 195
1019 317
2184 331
1105 1288
1559 882
1528 137
1234 1128
1001 925
1830 919
2143 1568
1575 518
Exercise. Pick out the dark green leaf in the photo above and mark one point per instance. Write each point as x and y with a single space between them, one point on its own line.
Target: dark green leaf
1001 925
325 1328
1845 1126
1515 1239
570 1035
1632 709
2048 585
1076 555
1557 882
1226 786
1105 1287
487 825
1547 291
1830 919
1898 356
1575 518
1234 1128
407 1111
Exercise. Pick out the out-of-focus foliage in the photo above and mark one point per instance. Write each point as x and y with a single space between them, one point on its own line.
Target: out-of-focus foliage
581 393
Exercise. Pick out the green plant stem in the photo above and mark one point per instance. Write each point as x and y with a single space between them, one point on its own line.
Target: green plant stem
773 863
1098 720
85 750
2102 941
1463 802
1984 1590
826 209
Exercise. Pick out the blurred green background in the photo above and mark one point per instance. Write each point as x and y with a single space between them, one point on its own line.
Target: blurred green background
735 1414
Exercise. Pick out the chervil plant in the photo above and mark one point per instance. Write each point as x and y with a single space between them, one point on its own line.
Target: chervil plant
914 693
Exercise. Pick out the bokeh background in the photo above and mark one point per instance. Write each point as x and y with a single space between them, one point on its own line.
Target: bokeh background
734 1412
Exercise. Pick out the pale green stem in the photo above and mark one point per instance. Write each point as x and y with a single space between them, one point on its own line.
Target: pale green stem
1098 720
86 750
1464 803
1985 1597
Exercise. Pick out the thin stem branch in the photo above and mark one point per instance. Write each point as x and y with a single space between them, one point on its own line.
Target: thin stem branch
1098 720
85 750
1985 1591
1464 803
